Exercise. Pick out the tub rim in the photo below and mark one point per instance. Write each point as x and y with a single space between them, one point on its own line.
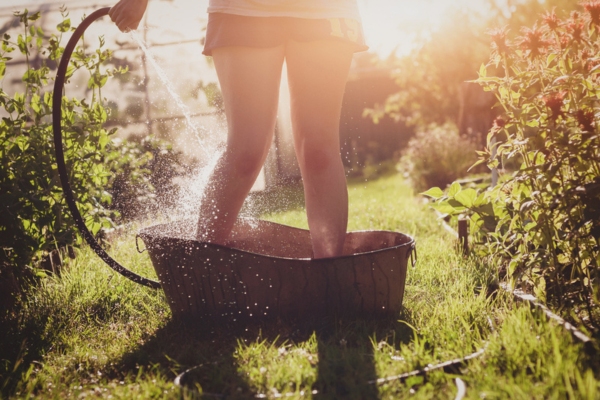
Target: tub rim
411 242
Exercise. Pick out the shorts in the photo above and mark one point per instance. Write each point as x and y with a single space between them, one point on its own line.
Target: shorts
237 30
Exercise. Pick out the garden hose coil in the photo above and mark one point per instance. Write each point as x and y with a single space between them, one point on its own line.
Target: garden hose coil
60 158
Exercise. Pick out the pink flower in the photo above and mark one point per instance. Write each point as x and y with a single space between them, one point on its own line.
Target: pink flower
500 43
554 102
551 20
586 120
533 41
593 9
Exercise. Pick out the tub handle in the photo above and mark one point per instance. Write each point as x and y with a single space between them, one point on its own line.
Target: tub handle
412 253
137 246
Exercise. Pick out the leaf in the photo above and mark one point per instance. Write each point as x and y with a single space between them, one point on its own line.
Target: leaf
458 206
466 197
22 45
434 193
103 141
414 381
512 267
445 208
454 188
478 162
35 103
64 26
34 17
482 71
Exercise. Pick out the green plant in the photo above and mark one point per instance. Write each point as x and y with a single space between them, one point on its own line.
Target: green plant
437 156
34 221
143 183
542 223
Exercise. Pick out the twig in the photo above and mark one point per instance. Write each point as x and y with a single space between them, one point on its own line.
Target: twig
447 366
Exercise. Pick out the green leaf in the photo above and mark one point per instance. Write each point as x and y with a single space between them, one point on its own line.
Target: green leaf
22 45
34 16
454 188
434 193
35 103
64 26
445 208
466 197
478 162
414 381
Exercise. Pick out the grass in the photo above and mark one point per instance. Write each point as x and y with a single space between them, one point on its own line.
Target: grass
92 333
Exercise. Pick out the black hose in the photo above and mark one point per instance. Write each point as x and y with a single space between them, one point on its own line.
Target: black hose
60 157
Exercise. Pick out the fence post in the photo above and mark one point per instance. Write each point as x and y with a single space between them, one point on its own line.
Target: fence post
463 234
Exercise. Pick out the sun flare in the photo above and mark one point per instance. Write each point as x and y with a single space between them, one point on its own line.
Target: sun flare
393 25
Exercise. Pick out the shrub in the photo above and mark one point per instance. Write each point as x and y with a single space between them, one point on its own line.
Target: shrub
34 223
542 223
33 220
437 156
144 183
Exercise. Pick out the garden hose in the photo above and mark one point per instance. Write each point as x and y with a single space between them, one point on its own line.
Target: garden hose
60 158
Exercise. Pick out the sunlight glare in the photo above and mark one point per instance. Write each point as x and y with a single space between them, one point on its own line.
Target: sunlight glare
394 25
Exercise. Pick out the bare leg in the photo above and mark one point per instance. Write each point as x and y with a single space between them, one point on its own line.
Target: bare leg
317 74
249 79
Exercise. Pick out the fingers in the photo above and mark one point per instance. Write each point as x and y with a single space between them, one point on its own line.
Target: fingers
125 16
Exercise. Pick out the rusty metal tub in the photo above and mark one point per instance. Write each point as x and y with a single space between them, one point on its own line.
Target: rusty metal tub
266 270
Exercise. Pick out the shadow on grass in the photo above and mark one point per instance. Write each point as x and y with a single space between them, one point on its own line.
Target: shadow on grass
345 356
21 344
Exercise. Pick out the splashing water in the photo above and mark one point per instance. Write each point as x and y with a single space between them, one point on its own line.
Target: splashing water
169 86
192 188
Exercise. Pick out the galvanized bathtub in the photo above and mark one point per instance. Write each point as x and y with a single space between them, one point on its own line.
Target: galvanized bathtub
266 270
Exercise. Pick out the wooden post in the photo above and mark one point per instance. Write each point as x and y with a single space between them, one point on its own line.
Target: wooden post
463 234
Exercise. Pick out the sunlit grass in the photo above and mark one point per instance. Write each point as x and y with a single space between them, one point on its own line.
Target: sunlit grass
92 332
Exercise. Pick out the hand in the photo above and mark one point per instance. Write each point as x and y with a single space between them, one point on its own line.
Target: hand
127 14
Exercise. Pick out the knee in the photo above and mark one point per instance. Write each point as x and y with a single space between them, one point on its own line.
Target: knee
244 163
318 159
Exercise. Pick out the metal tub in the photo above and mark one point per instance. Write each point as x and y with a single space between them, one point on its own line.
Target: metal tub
266 270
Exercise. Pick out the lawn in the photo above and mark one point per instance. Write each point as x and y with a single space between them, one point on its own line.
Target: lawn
91 333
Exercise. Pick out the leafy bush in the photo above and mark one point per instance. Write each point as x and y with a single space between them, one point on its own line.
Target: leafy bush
35 224
144 183
542 223
437 156
34 218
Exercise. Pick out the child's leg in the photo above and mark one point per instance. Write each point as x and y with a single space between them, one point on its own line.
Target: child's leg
249 79
317 74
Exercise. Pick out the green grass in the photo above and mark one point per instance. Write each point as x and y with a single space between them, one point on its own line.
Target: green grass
90 332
